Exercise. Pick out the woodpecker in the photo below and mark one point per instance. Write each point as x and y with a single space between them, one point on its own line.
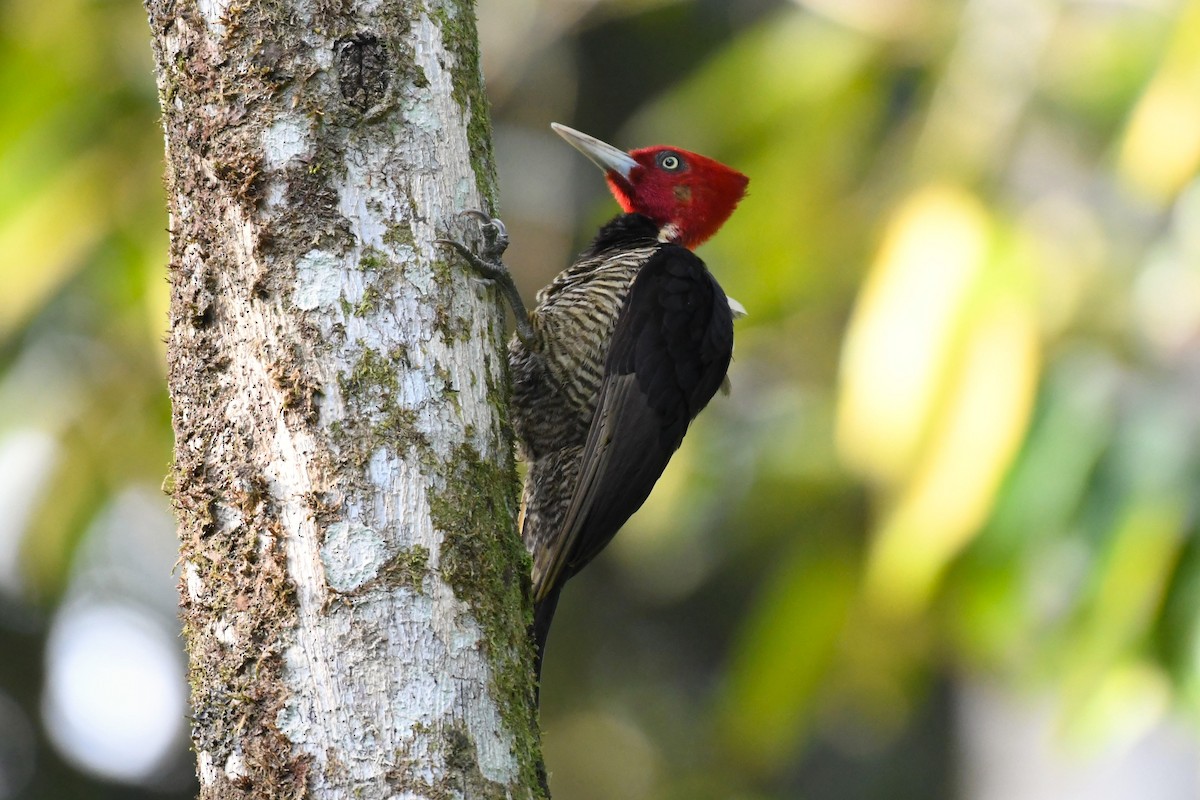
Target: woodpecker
623 350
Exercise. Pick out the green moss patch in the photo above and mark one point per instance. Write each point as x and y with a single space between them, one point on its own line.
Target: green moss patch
487 567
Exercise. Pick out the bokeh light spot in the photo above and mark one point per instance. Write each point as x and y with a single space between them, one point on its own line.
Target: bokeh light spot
114 703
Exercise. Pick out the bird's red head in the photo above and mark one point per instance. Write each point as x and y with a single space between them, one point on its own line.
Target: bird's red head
688 195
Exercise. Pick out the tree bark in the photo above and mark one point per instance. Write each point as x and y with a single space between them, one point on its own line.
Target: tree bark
354 592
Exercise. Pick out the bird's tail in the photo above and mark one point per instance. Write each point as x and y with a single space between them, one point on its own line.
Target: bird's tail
543 615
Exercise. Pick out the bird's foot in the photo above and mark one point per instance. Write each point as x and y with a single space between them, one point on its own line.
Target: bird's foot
488 264
487 261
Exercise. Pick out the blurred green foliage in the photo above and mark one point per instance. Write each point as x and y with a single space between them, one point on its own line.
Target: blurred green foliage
962 439
82 238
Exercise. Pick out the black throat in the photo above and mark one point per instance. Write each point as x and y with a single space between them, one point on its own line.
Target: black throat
625 231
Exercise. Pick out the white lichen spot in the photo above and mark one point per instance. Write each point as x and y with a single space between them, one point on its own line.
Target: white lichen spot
461 636
195 584
228 519
235 767
463 639
404 253
493 746
274 193
422 115
363 199
295 720
287 138
225 632
464 190
352 555
319 279
214 13
206 768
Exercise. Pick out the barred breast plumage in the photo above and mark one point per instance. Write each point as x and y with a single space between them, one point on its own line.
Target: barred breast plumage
555 387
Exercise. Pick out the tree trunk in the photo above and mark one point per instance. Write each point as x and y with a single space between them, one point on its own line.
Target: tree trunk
354 592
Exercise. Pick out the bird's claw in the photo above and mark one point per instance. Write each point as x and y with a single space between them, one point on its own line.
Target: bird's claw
487 263
495 224
495 241
495 235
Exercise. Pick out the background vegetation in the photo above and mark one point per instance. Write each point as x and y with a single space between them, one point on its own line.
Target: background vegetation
940 542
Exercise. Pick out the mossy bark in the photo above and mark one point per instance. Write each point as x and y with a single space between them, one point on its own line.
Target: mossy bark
354 594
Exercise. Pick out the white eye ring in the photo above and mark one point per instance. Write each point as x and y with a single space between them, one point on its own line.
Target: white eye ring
669 162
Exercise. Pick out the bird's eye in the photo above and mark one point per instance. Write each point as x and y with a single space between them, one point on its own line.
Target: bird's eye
670 162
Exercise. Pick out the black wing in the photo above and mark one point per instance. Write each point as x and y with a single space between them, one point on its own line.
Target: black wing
669 354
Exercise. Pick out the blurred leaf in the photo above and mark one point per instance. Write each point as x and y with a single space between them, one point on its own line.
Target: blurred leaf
1160 151
48 238
901 336
786 647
